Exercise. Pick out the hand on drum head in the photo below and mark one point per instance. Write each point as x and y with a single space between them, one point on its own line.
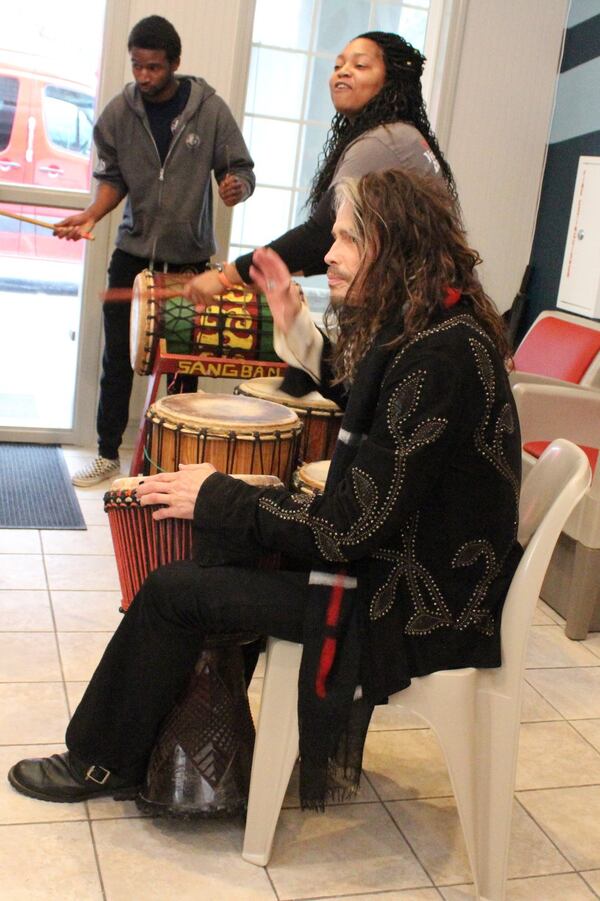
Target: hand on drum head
272 276
176 492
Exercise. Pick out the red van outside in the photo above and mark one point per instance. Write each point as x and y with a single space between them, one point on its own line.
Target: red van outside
46 126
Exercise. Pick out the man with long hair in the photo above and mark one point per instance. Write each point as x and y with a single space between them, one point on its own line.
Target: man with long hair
403 563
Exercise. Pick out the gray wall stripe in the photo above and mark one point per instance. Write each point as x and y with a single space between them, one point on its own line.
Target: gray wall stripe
582 10
577 109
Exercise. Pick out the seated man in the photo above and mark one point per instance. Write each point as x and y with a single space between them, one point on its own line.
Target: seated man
406 558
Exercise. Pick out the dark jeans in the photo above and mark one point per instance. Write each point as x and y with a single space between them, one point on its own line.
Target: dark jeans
151 656
117 374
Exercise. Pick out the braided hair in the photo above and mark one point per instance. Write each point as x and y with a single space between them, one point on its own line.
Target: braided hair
399 100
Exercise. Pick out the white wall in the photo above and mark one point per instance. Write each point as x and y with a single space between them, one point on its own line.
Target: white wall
499 129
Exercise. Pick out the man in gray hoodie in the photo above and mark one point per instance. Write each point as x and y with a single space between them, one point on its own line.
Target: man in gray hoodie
158 142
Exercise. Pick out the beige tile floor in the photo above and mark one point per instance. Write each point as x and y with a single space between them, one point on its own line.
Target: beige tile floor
400 840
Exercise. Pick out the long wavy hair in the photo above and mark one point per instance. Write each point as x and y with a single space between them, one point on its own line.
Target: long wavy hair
399 100
413 249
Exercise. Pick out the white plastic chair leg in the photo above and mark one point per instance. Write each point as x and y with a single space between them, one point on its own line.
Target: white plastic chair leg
447 701
276 749
477 733
498 739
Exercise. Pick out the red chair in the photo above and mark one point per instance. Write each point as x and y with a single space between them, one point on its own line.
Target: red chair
572 585
559 349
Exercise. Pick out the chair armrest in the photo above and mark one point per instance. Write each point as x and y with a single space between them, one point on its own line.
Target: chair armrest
518 377
549 411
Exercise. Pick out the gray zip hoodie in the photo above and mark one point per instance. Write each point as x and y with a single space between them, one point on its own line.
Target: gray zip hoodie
168 215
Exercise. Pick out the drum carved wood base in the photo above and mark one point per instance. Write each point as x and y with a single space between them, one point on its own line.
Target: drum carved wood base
200 765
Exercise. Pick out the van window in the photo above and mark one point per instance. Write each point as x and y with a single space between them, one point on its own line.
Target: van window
69 117
9 88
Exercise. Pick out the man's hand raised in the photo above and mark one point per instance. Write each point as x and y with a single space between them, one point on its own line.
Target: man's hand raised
271 275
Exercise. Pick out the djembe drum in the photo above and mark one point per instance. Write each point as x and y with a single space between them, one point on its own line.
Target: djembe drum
238 324
200 764
320 417
235 434
311 477
141 543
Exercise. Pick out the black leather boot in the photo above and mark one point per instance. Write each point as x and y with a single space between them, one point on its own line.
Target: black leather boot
63 777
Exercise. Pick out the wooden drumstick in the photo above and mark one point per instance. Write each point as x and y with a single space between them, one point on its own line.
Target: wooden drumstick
42 224
126 294
112 294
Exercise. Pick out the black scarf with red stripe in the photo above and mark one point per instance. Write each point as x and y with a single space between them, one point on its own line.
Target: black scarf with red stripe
333 715
333 710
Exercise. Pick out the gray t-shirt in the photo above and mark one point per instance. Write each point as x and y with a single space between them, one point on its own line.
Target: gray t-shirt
396 145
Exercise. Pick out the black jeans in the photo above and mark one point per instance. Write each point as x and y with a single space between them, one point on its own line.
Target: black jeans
151 656
117 374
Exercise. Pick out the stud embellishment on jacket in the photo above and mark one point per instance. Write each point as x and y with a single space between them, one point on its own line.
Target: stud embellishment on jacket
489 436
431 610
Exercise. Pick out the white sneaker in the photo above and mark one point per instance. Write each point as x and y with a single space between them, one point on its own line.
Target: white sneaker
97 471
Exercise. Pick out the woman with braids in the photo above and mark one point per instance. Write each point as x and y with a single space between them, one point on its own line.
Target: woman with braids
403 562
380 123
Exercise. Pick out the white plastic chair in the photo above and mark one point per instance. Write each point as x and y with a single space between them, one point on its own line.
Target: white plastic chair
573 582
474 712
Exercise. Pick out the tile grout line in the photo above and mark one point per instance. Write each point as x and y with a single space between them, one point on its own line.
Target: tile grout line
66 696
538 692
543 831
96 855
374 893
69 712
591 887
407 840
399 830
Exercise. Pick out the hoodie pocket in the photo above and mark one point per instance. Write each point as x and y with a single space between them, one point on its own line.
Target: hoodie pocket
178 242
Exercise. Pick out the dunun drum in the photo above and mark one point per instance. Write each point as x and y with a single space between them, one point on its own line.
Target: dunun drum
311 477
238 324
200 765
141 543
235 434
320 417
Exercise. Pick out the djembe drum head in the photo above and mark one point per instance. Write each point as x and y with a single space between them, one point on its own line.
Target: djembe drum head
154 316
311 477
321 418
235 434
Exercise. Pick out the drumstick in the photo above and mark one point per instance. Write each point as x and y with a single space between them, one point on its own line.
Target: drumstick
113 294
126 294
41 223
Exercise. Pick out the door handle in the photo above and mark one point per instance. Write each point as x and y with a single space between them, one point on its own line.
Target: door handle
7 165
52 171
30 137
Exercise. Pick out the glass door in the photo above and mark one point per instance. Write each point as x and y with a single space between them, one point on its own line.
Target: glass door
49 71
